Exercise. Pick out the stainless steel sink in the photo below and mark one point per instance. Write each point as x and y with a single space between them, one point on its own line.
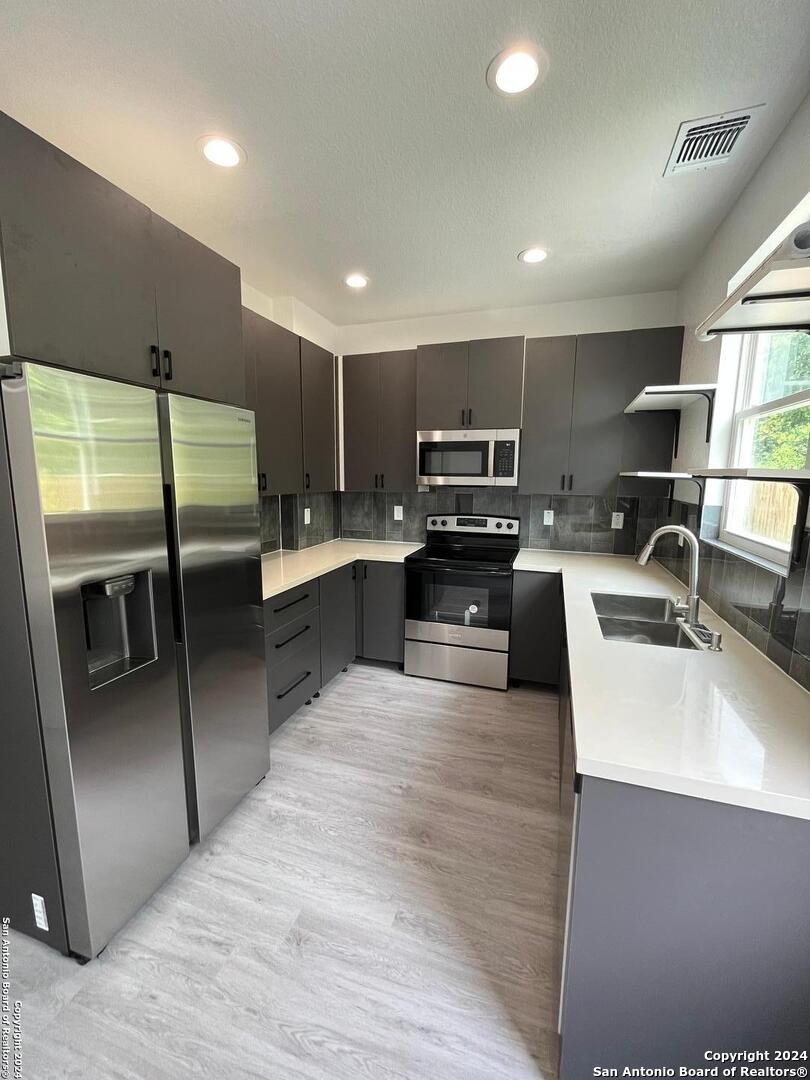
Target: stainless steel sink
645 632
630 606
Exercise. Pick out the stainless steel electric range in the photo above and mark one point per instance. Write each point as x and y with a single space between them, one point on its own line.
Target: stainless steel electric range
458 600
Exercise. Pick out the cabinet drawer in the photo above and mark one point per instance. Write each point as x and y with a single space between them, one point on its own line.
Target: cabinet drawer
303 632
282 609
293 682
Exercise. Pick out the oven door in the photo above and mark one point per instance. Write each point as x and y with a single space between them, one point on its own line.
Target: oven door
453 606
455 461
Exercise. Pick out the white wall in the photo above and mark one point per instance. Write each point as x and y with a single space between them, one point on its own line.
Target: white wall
542 320
751 228
289 312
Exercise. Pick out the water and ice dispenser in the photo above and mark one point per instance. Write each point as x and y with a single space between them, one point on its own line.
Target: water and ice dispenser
119 624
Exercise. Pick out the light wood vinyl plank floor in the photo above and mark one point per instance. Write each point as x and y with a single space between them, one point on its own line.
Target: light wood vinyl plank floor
382 906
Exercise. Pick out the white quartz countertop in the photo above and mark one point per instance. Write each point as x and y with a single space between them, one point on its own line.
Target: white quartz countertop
282 570
728 726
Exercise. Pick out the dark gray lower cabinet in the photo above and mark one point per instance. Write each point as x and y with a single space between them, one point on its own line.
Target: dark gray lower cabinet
293 650
534 641
383 611
687 931
338 620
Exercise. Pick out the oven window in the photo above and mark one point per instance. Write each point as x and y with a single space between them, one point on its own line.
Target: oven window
453 459
459 598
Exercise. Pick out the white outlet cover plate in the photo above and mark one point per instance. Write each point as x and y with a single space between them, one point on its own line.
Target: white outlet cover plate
548 517
307 515
617 521
397 513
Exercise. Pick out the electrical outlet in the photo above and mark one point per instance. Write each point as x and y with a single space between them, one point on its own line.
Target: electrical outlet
307 515
617 521
397 513
548 517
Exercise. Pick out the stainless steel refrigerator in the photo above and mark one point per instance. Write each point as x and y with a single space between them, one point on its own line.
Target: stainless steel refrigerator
215 549
132 691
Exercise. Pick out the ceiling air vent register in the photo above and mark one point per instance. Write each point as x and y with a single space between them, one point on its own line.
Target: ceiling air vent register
708 141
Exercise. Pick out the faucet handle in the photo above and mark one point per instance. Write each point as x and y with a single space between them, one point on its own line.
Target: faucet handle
679 606
715 645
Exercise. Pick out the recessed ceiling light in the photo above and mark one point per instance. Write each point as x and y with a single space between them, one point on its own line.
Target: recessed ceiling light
356 281
533 255
515 70
221 151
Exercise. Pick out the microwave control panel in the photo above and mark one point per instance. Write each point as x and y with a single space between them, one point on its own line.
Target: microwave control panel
505 457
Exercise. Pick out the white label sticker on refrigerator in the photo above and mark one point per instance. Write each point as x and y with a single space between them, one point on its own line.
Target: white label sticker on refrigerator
40 914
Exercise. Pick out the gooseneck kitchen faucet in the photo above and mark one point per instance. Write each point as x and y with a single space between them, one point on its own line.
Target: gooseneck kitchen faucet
692 607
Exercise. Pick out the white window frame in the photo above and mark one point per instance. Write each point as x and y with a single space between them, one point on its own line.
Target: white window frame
775 553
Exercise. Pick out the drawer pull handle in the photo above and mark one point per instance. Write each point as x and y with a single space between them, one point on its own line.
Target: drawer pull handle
281 644
292 603
290 689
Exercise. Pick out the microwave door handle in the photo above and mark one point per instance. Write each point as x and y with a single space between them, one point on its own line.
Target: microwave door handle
491 459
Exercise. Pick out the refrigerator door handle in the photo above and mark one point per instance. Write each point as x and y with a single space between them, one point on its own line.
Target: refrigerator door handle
174 570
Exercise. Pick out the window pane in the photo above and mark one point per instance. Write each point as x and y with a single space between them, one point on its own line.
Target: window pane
781 366
775 440
763 512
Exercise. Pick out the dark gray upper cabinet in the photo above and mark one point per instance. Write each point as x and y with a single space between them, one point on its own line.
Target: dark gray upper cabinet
653 359
597 423
199 310
610 370
78 263
398 420
318 407
383 611
495 382
272 357
338 616
576 436
548 401
379 421
441 386
464 384
361 422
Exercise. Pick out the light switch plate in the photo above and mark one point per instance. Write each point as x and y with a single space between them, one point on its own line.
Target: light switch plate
40 913
548 517
617 521
307 515
397 513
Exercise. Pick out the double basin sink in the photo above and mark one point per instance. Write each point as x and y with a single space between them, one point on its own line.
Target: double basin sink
644 620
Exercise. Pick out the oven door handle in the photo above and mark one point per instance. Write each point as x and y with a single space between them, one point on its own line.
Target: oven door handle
467 571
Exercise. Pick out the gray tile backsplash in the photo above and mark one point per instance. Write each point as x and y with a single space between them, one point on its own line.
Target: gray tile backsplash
770 609
270 518
324 523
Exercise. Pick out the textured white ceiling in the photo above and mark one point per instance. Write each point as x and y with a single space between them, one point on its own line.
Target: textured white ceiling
373 142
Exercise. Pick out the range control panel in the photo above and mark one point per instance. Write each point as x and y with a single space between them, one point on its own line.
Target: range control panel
467 523
504 463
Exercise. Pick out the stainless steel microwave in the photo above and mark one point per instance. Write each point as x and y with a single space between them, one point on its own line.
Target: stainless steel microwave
487 457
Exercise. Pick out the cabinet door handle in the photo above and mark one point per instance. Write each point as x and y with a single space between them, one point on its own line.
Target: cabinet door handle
562 481
264 481
570 481
375 480
167 365
154 353
365 571
462 417
354 573
290 689
306 481
298 633
292 603
469 417
382 479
